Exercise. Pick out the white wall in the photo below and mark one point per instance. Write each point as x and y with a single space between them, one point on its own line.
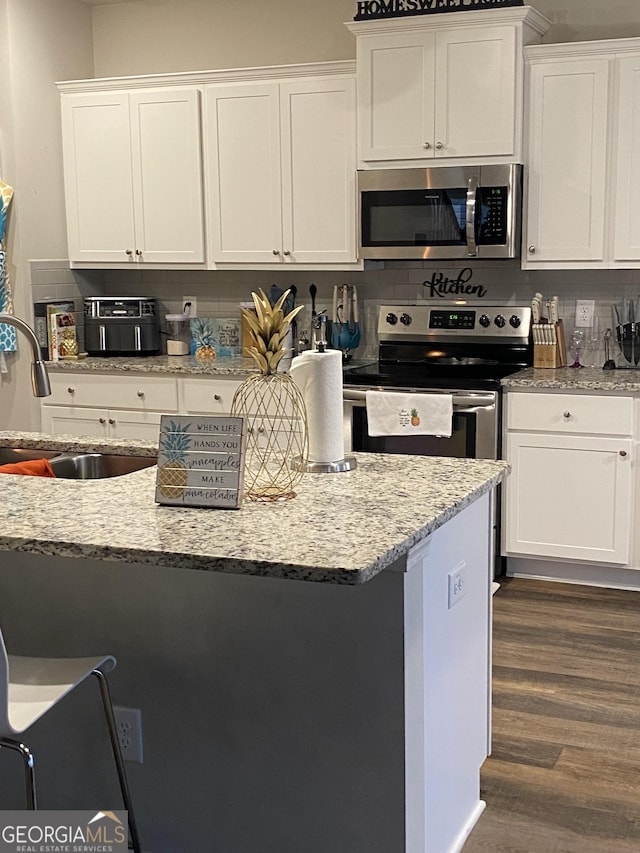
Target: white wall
147 36
41 41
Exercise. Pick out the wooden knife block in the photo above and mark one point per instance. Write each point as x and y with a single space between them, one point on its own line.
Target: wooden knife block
551 355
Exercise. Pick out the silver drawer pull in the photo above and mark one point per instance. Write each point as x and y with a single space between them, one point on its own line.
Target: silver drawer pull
623 453
111 421
567 414
140 394
101 421
71 390
217 397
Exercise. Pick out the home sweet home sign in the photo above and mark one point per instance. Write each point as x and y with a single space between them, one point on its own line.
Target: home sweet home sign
369 9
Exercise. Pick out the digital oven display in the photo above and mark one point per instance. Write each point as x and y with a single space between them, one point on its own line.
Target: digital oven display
452 320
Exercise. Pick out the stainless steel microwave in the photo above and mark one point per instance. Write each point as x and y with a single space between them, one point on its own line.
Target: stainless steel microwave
440 213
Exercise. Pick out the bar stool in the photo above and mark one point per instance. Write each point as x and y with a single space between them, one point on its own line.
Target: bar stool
29 687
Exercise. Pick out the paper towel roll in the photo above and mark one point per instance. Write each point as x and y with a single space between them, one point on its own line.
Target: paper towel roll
318 375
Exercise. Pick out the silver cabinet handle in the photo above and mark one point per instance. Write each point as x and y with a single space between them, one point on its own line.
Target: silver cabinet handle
470 222
129 252
439 146
567 414
427 145
140 394
217 397
286 252
532 250
101 421
623 453
138 252
276 251
71 390
111 421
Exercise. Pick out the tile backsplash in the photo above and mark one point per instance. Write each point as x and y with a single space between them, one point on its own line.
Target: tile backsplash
219 293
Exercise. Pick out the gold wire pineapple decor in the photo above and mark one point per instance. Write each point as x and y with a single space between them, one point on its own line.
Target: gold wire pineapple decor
273 406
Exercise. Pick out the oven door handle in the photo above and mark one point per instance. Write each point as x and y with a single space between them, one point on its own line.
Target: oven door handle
461 402
472 199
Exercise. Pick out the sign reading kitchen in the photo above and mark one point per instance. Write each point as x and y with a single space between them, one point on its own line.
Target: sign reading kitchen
201 461
368 9
441 285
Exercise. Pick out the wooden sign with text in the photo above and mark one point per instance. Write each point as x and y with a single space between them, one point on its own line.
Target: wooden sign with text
373 9
201 461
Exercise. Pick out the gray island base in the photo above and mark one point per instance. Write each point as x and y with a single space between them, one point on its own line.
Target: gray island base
279 715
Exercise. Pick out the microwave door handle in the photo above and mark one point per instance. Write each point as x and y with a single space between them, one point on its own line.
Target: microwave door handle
472 196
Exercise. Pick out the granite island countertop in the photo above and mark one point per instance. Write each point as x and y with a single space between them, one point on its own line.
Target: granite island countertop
574 379
341 528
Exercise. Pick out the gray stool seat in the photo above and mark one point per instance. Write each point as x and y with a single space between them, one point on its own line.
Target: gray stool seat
30 686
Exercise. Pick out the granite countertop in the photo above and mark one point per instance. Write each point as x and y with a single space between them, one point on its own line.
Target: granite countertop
341 528
163 364
575 379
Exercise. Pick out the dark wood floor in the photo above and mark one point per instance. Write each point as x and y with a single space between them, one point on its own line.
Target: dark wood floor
564 776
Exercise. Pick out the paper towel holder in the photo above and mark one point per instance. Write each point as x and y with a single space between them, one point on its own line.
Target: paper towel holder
346 464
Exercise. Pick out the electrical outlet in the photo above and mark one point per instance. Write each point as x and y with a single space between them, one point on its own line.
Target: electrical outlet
456 584
193 310
585 312
129 727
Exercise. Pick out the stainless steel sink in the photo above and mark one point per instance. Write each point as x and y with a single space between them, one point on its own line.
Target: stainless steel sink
80 466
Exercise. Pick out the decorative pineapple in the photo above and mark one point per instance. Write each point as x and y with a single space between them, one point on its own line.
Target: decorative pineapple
268 328
415 418
273 406
202 334
173 475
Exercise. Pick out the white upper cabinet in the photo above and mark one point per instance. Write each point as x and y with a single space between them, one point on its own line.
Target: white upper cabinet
281 171
626 211
133 177
432 88
566 165
583 155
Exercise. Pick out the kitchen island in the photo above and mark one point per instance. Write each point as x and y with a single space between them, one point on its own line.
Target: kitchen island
313 675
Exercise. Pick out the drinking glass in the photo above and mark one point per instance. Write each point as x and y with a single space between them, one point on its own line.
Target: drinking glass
576 344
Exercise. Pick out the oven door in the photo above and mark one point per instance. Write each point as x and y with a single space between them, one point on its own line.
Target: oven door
474 434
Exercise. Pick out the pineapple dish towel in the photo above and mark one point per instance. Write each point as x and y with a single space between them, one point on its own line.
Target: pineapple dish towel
395 413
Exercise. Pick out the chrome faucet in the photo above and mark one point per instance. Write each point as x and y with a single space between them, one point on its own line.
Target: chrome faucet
39 375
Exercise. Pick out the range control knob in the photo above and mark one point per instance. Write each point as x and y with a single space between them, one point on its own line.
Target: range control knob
405 319
500 321
514 321
484 321
392 319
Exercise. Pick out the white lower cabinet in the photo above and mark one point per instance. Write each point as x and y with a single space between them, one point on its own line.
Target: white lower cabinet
108 406
570 492
207 396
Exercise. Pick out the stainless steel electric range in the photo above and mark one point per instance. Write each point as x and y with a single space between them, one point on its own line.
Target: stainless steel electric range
453 348
457 348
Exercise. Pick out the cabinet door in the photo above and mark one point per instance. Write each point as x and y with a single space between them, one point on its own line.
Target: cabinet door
318 171
475 92
396 96
71 420
142 425
167 176
97 175
627 187
243 161
567 130
569 497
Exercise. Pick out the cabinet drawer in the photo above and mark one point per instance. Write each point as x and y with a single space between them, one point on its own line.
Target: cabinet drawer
570 413
209 396
140 393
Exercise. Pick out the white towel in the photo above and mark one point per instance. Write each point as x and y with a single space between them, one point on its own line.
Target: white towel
395 413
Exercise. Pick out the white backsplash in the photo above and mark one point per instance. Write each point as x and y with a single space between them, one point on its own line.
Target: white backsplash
219 293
